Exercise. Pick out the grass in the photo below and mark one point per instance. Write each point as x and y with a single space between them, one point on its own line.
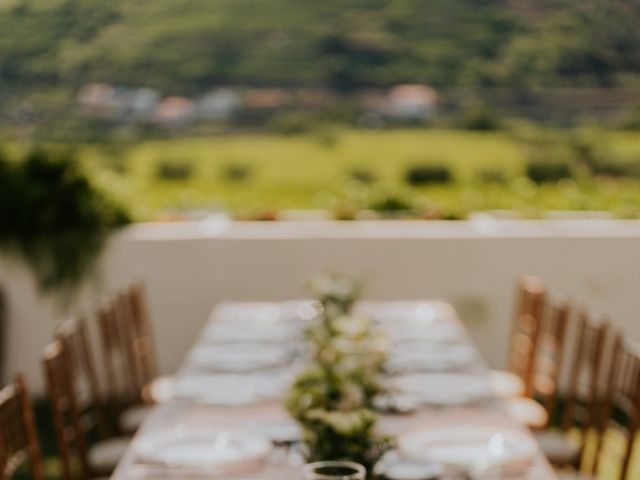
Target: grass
312 171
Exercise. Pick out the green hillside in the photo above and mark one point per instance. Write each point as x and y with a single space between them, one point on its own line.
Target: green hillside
186 46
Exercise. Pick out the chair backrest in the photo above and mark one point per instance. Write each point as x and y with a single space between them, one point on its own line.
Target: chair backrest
119 362
526 328
549 354
621 411
75 339
67 419
18 438
130 336
142 331
583 400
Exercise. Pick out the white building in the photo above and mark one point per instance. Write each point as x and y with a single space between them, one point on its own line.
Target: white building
412 102
219 104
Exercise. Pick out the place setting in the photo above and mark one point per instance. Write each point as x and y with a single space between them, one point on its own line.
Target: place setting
257 331
200 452
407 331
443 390
266 313
231 389
231 312
419 356
332 397
460 452
400 310
218 449
239 357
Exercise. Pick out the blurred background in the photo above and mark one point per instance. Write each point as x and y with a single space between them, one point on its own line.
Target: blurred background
373 108
195 119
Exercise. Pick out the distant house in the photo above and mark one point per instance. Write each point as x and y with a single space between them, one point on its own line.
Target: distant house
219 104
266 98
402 102
141 102
412 102
97 99
112 101
175 111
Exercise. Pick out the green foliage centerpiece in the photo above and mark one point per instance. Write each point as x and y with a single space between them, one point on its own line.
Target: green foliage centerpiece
332 398
335 292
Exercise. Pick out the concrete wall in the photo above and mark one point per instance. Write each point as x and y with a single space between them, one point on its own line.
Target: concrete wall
189 267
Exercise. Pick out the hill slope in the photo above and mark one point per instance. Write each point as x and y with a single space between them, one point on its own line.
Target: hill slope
185 46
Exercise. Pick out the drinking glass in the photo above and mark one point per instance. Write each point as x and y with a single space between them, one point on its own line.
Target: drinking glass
334 470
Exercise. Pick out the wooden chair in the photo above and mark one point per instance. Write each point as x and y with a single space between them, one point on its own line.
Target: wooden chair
142 333
75 339
537 410
154 388
621 412
549 357
130 357
119 359
582 402
18 438
80 458
123 384
71 442
517 379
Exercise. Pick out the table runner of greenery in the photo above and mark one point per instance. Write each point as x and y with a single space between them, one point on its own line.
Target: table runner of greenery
332 398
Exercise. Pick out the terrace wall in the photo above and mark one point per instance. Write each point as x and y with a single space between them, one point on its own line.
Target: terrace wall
188 267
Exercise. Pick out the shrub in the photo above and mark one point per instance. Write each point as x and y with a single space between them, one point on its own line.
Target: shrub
492 176
362 175
631 119
327 136
174 170
114 157
614 168
426 174
236 172
54 218
547 171
601 160
479 118
391 204
294 123
345 212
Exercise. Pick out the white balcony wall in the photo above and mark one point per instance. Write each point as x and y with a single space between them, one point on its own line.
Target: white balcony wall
189 267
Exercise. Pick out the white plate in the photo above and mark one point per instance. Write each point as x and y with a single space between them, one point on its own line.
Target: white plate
427 356
238 357
400 310
247 311
209 449
444 389
416 331
285 431
296 310
231 389
469 446
406 470
252 332
266 312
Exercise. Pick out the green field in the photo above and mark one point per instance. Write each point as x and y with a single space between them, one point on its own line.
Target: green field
313 171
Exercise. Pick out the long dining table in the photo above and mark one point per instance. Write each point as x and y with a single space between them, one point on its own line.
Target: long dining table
251 401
